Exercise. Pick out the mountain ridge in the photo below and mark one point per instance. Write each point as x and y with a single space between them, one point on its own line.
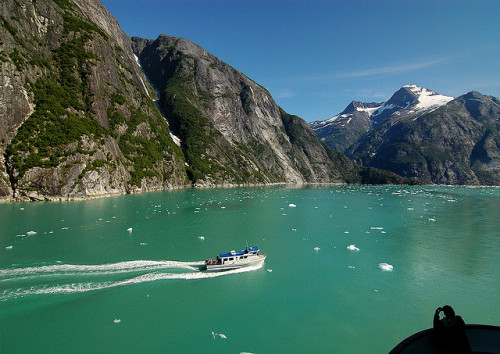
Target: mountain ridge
433 138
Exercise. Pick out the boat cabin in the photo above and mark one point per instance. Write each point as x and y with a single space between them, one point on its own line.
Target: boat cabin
235 256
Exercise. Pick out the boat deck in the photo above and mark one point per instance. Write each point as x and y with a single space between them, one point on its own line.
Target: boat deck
483 339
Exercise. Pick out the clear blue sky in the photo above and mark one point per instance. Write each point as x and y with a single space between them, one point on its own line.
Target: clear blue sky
316 56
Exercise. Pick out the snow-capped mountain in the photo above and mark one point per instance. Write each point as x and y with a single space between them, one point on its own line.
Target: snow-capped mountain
410 99
453 143
358 118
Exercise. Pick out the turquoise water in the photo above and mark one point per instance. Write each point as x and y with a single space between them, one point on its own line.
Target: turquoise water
350 269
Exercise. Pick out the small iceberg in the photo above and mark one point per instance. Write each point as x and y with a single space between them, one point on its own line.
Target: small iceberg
386 267
353 248
220 335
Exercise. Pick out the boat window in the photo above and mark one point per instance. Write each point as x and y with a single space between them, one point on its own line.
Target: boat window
231 259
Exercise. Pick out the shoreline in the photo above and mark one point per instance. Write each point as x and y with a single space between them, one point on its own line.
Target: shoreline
45 198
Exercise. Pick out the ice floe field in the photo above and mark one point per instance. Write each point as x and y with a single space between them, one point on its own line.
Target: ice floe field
351 269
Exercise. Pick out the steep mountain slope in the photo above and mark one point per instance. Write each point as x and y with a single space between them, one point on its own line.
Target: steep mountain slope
231 129
457 143
76 118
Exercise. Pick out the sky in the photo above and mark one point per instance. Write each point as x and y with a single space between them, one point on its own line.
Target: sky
316 56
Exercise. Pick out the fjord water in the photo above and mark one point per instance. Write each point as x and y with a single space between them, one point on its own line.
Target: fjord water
351 269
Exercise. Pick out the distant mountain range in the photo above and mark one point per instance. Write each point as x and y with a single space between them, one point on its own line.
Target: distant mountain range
423 135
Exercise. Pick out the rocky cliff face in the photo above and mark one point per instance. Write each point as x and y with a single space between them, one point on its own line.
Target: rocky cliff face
79 118
231 129
76 117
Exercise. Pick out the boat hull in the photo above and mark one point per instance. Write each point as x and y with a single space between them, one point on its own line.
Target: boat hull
254 261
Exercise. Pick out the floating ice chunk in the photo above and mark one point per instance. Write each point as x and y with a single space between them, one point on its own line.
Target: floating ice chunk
31 233
291 205
221 335
117 320
129 230
386 267
201 237
353 248
8 247
316 248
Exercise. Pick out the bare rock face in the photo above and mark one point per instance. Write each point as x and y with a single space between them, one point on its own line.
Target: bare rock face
231 129
77 116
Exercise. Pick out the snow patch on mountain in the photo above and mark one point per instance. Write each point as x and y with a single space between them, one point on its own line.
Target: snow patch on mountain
369 110
427 99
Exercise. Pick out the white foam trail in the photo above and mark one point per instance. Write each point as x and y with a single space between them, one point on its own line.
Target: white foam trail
93 286
99 269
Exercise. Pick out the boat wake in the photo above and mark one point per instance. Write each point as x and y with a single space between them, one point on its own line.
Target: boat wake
72 279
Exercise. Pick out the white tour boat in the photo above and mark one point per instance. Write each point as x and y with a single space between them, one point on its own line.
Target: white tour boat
250 256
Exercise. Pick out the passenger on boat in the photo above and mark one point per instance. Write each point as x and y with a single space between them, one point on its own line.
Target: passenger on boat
450 331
